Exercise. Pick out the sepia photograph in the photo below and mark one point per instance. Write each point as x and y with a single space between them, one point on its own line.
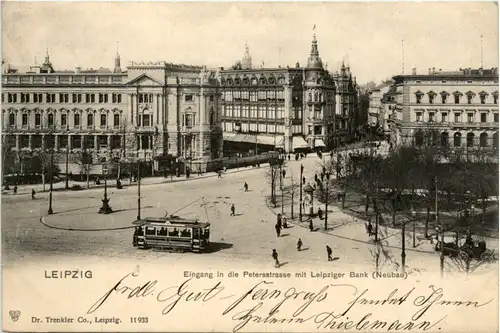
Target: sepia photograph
249 166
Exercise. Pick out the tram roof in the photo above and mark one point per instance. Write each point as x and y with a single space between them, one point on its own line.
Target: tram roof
171 221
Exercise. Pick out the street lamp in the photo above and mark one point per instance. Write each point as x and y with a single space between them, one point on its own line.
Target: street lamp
403 243
327 180
414 215
300 195
50 211
105 208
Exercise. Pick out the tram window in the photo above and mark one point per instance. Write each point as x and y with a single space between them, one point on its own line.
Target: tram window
196 233
151 231
174 233
206 233
162 232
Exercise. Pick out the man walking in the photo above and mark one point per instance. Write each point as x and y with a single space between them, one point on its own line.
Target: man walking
278 229
299 245
233 210
275 257
245 187
329 252
33 194
311 227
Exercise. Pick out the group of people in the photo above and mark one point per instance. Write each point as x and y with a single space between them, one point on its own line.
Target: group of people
274 254
281 223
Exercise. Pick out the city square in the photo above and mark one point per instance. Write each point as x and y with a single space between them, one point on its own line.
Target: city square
161 159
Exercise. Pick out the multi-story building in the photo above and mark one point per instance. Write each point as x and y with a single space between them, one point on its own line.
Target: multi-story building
277 108
461 106
347 106
149 110
377 114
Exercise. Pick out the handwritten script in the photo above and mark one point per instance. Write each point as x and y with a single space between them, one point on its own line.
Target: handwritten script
329 306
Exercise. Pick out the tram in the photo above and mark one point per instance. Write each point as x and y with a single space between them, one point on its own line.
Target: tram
172 233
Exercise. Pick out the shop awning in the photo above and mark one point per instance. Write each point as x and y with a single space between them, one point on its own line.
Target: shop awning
298 142
270 140
236 137
319 143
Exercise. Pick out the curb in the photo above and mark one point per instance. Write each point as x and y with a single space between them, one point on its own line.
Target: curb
344 237
174 180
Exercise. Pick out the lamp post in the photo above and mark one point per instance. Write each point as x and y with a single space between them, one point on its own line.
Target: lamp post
105 208
50 211
414 215
300 194
327 180
138 187
66 186
281 186
403 244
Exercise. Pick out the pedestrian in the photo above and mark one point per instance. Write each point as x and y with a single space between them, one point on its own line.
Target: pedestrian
275 257
285 224
320 213
245 187
278 220
284 173
299 245
219 173
33 194
311 226
288 157
370 229
233 210
15 189
329 252
277 227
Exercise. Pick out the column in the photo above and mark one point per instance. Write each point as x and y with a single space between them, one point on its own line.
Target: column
69 142
157 109
43 141
56 142
131 108
109 143
140 142
203 110
17 142
29 141
82 142
96 142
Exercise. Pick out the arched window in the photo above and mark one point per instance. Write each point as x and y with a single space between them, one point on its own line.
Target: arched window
470 139
310 97
483 140
457 139
419 138
263 80
444 139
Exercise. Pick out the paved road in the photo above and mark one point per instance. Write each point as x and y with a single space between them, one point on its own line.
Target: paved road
247 237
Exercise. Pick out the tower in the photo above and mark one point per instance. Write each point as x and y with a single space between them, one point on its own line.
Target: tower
118 68
246 62
47 65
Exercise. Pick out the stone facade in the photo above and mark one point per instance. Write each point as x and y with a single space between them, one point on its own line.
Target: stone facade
461 106
144 112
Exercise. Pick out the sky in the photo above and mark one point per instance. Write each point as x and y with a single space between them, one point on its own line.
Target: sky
367 36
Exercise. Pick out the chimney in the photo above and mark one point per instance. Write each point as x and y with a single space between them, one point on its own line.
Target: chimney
433 70
440 70
481 72
430 71
78 70
413 71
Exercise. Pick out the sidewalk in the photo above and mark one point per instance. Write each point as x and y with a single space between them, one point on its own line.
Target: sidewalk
60 186
347 226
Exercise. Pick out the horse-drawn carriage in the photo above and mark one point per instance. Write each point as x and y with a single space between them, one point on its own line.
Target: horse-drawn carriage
465 248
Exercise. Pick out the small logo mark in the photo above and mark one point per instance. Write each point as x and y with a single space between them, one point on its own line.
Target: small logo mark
14 314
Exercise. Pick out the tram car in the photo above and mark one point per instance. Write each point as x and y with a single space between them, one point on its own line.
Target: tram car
172 233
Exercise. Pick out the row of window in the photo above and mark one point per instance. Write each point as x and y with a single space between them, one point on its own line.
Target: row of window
254 95
253 81
62 98
431 117
79 141
63 119
246 111
457 139
190 98
457 97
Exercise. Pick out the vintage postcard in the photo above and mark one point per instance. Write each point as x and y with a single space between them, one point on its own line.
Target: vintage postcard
249 167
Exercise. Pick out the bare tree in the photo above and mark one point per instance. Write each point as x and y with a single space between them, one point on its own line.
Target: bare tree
292 189
273 174
84 159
